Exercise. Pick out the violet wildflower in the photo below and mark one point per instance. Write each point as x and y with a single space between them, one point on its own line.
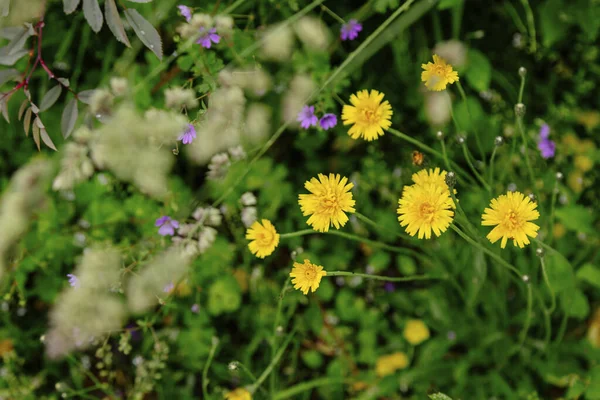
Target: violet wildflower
169 287
207 38
186 12
195 308
73 280
546 146
389 287
350 30
307 117
328 121
188 135
167 226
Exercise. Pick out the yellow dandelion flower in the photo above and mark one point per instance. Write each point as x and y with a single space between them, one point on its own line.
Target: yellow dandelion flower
263 238
329 199
368 116
511 213
425 208
438 74
387 365
307 276
416 332
432 176
238 394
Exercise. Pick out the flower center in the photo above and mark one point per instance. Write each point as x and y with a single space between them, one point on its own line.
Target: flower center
512 221
427 211
310 272
263 238
370 115
329 202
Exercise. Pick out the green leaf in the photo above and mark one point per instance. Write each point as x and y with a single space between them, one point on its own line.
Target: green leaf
312 358
575 304
69 117
145 31
439 396
593 390
479 71
382 6
50 97
475 278
576 218
560 272
93 14
446 4
113 20
553 28
224 296
589 274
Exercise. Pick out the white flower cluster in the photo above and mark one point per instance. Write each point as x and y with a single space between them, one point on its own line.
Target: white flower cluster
177 97
249 212
75 167
27 191
191 30
277 43
90 309
199 236
301 87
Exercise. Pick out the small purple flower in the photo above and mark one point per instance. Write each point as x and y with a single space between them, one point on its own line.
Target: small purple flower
307 117
207 38
195 308
389 287
73 280
188 135
169 287
350 30
167 226
328 121
186 12
546 146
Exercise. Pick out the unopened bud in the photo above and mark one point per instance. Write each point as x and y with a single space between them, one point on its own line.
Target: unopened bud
522 72
559 176
499 141
525 278
539 252
450 179
439 135
460 139
520 110
532 197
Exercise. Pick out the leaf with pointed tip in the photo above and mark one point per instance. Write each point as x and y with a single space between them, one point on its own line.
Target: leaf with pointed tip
8 74
4 108
35 130
17 43
70 5
69 117
34 108
11 59
65 82
93 14
27 121
46 139
85 96
24 105
50 97
145 31
113 20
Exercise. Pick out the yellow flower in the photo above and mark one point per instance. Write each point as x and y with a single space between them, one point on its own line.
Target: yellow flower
416 332
307 276
425 208
367 114
593 333
238 394
264 238
432 176
511 213
583 163
438 74
327 202
559 230
387 365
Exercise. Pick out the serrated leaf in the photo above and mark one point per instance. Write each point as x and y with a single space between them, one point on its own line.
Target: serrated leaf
46 139
27 121
70 5
35 130
145 31
8 74
85 96
69 117
93 14
50 97
113 20
24 105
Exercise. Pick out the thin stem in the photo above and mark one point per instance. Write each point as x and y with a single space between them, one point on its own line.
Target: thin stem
303 232
445 155
215 343
334 15
375 225
531 25
428 149
272 364
552 294
477 139
473 169
232 7
275 325
552 207
386 278
492 166
463 214
527 162
523 334
304 386
521 89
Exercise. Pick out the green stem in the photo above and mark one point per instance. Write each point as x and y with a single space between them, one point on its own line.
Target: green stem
521 89
552 294
492 166
272 364
473 169
375 225
531 25
213 349
523 334
304 386
477 139
232 7
429 150
445 155
526 156
552 207
487 251
275 325
303 232
386 278
334 15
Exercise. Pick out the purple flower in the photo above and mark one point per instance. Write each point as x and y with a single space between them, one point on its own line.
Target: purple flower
350 30
169 287
188 135
186 12
389 287
167 226
207 38
195 308
307 117
546 146
328 121
73 280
